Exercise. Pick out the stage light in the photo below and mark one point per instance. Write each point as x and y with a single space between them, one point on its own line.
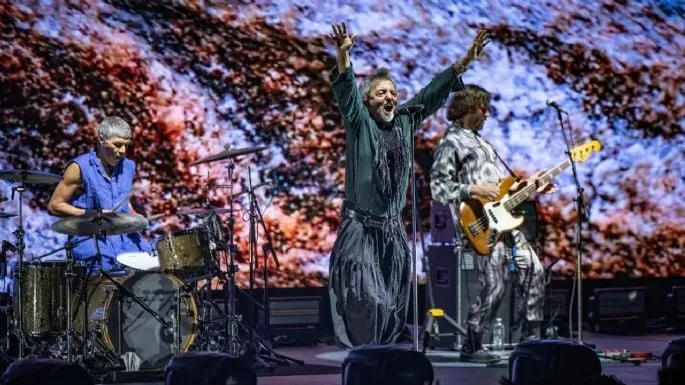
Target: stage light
386 365
560 362
205 368
45 371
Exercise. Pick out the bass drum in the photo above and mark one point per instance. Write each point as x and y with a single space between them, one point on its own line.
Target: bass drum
141 332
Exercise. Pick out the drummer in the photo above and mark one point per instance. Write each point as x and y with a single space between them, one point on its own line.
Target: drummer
99 180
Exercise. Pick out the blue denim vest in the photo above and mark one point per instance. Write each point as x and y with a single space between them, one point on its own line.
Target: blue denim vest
102 192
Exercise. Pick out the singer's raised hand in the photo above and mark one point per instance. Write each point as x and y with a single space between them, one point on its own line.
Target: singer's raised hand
343 43
477 46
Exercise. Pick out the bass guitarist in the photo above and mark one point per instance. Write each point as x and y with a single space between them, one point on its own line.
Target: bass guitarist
466 166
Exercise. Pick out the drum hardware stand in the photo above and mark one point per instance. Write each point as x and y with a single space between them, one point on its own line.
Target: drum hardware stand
19 233
232 320
70 322
261 343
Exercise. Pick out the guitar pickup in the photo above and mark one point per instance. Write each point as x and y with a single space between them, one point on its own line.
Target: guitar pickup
492 217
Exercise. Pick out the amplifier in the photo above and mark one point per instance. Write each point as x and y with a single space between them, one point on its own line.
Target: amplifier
617 309
296 319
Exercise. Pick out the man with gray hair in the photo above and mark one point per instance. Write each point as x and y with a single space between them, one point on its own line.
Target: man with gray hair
370 261
99 180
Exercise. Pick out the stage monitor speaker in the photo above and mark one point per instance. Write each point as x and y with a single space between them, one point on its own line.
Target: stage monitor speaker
208 368
559 362
386 365
45 371
445 284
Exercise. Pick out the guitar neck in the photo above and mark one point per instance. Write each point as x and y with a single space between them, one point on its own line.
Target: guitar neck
520 196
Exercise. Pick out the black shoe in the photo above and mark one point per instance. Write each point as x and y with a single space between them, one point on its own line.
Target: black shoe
472 350
480 357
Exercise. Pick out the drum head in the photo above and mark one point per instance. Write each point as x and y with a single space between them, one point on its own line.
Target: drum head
138 260
142 333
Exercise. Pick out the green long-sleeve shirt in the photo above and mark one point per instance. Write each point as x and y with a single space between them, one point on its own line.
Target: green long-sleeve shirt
363 186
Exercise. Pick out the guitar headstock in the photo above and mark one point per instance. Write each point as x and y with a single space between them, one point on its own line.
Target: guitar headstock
581 152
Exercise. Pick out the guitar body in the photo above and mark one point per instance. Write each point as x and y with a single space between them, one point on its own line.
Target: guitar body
482 221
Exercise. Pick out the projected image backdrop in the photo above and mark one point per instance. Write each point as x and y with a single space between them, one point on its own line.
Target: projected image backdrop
193 77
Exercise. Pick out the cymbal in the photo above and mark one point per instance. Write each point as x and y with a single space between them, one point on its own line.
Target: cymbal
29 176
7 215
203 211
111 224
227 154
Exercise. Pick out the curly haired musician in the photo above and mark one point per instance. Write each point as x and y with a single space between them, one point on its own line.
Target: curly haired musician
370 261
466 166
99 180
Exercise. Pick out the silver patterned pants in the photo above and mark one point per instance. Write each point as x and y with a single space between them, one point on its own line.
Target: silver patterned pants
494 272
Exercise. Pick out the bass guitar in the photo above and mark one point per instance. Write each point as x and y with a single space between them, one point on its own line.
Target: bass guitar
483 221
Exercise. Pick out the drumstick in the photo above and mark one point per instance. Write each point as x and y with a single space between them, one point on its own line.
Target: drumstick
124 199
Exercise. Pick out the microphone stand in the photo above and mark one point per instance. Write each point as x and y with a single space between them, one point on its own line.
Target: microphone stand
580 212
414 216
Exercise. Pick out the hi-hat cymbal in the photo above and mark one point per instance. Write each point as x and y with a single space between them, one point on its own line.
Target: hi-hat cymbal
203 211
227 154
29 176
110 223
7 215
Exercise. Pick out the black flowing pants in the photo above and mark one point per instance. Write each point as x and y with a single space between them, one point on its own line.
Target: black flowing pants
369 281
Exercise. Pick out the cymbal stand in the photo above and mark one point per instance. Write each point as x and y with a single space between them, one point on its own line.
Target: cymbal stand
261 343
19 233
232 320
70 322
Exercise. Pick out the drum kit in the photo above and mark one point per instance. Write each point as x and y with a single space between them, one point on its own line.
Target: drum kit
157 305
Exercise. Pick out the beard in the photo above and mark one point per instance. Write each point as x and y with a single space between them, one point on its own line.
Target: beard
381 115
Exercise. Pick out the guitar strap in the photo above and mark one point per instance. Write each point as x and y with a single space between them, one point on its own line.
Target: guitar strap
499 157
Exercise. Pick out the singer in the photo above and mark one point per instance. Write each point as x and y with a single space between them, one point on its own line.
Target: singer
467 166
99 180
369 264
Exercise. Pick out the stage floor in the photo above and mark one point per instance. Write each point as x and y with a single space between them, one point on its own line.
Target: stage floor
323 364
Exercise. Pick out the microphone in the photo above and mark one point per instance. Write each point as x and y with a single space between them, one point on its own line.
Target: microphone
409 110
554 104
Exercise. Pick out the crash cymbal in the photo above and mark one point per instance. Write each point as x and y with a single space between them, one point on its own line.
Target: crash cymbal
7 215
203 211
111 224
29 176
227 154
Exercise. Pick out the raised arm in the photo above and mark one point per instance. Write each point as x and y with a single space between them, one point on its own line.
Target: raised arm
70 185
435 94
342 79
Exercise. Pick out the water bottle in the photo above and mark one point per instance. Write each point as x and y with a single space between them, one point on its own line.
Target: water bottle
498 335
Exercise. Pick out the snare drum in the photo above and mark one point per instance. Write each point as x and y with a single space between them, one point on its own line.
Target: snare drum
141 332
185 253
44 292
